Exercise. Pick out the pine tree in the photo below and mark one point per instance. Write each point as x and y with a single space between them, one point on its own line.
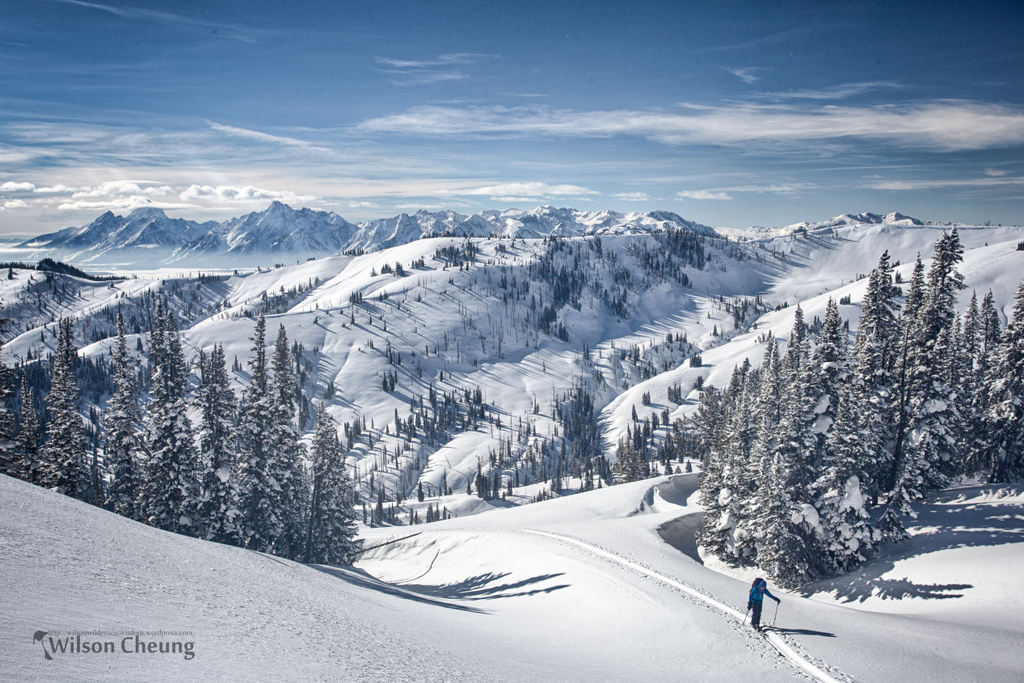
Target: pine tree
28 436
63 464
331 531
927 419
171 491
841 496
10 459
1004 418
218 515
262 478
876 349
830 369
123 423
290 454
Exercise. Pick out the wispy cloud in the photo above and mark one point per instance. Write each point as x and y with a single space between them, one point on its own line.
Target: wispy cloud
702 194
950 182
423 72
943 125
257 135
838 92
745 74
233 31
121 203
518 192
230 193
634 196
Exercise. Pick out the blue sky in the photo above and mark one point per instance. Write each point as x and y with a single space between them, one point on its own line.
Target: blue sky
728 113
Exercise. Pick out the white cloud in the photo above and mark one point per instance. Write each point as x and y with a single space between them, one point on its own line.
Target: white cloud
701 194
837 92
944 125
17 187
936 184
15 204
633 196
230 193
256 135
121 203
504 191
995 172
56 189
746 74
422 72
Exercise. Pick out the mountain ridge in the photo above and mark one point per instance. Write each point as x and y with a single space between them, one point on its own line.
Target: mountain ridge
282 231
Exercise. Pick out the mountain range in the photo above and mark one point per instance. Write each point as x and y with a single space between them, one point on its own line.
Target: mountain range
285 233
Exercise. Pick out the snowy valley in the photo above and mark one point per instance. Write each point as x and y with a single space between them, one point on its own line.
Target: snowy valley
524 405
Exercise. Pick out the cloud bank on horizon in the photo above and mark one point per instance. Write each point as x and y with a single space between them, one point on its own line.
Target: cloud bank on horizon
734 116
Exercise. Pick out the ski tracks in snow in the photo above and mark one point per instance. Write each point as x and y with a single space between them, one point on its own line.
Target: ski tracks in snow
801 662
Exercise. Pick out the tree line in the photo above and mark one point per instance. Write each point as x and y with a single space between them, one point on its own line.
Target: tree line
237 477
816 458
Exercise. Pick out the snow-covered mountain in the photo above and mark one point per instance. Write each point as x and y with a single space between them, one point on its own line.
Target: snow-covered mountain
281 232
443 361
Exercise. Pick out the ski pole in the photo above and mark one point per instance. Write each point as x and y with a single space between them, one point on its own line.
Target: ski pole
745 617
777 603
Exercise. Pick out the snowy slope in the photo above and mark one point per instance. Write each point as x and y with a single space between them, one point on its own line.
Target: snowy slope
581 588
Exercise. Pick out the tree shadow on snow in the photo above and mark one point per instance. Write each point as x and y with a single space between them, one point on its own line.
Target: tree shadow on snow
488 587
358 577
950 519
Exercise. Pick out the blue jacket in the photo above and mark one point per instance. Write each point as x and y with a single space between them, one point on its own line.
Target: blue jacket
758 592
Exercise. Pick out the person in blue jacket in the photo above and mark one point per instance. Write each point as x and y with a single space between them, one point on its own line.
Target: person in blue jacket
758 590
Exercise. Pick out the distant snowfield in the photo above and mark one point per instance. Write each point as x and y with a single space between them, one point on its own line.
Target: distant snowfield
580 588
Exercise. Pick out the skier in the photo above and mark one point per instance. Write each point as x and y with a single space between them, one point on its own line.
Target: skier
758 590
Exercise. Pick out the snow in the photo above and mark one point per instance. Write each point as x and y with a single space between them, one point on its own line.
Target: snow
485 596
570 589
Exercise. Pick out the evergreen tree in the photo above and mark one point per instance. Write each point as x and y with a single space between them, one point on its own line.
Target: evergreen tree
64 462
290 454
264 473
218 516
10 458
1005 415
171 490
331 530
876 349
28 436
123 422
841 496
829 371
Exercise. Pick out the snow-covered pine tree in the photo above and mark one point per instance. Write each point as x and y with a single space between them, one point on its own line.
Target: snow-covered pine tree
786 517
927 420
631 463
10 459
331 531
260 466
829 371
28 435
841 497
123 422
934 421
740 472
63 464
290 454
171 491
218 513
876 348
1005 413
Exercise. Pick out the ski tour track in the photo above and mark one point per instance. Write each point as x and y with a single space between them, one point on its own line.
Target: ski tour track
777 641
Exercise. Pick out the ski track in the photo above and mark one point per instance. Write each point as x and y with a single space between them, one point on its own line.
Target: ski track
775 639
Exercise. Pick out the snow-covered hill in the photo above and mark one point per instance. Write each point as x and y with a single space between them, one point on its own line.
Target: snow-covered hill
576 589
604 324
149 237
